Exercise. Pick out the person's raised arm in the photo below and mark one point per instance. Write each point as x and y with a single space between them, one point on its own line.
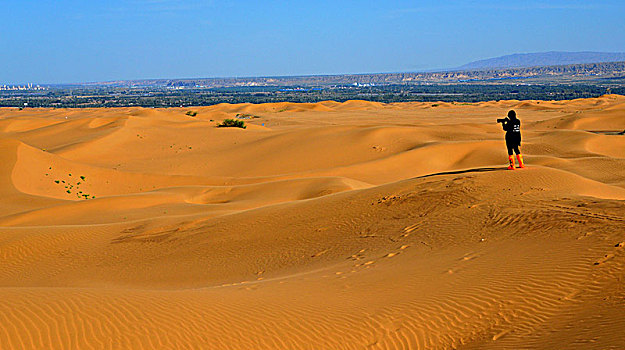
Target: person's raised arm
506 125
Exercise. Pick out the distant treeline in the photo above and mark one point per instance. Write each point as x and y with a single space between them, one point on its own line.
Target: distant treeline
163 97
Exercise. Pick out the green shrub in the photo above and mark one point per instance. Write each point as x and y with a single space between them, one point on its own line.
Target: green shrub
191 113
232 123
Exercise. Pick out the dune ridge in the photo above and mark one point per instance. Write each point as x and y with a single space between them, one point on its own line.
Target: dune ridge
321 226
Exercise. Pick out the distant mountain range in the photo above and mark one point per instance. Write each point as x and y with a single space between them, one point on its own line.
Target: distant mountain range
541 67
552 58
607 72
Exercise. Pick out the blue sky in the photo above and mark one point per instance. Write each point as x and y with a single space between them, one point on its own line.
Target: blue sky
67 41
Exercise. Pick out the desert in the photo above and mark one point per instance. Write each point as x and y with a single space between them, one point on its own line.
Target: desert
329 225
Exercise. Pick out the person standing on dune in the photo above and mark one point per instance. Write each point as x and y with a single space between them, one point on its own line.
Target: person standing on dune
512 125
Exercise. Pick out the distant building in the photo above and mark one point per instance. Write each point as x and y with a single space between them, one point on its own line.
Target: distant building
26 87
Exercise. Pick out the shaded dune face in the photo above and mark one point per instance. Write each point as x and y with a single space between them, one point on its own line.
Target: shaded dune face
320 226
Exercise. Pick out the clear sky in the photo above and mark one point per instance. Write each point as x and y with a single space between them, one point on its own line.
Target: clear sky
67 41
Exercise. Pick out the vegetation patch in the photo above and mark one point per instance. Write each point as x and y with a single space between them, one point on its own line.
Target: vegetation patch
232 123
69 186
191 113
246 116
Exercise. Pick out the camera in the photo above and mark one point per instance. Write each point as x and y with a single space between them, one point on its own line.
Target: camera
503 120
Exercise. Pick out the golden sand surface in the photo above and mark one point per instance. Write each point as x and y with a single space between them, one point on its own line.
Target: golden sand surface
353 225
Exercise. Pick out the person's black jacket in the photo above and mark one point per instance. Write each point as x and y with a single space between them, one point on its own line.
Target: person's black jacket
513 131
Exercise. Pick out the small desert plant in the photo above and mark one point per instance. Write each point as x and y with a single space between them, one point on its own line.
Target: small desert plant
191 113
232 123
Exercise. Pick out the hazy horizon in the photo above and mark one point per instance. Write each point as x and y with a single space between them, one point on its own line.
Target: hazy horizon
72 41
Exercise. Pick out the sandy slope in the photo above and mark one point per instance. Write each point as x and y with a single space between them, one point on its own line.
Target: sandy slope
321 226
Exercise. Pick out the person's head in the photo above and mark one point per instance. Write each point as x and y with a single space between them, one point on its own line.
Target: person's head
512 114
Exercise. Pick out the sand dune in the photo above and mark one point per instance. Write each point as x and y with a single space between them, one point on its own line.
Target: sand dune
331 225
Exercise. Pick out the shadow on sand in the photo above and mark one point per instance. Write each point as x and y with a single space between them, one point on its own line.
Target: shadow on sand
474 170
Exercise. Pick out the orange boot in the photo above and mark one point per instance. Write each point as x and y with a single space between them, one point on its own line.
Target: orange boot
520 159
511 166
